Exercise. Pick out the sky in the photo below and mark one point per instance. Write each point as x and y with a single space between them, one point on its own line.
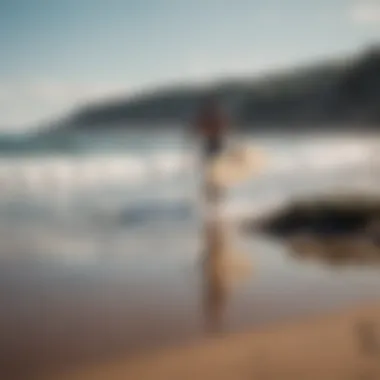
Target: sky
59 54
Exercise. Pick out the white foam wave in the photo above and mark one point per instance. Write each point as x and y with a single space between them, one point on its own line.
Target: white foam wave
84 172
36 174
320 157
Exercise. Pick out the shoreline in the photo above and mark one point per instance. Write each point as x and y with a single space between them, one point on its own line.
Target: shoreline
339 345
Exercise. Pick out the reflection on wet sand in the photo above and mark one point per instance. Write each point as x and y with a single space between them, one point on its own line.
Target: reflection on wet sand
57 314
215 284
223 268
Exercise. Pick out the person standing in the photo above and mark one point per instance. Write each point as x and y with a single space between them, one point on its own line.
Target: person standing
211 127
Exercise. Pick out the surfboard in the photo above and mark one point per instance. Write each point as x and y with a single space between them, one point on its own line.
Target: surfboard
236 165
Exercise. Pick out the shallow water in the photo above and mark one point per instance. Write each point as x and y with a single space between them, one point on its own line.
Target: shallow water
102 254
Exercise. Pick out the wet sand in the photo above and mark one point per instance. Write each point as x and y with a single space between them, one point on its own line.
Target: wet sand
60 317
341 346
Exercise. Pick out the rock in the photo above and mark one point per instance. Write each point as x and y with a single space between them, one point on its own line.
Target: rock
335 230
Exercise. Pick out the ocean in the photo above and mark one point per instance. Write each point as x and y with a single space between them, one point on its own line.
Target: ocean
101 242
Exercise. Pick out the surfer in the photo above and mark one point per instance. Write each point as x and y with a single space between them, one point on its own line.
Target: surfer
211 126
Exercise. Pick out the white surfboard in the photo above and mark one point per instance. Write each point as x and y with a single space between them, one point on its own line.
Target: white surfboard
236 165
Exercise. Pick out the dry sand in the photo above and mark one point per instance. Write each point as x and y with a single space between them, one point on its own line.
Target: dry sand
341 346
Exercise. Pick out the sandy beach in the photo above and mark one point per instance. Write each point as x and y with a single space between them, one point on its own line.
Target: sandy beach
100 323
345 345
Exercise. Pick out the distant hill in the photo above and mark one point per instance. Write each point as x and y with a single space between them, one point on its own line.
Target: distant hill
345 92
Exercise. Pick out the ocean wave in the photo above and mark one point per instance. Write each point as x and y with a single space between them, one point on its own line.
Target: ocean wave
91 171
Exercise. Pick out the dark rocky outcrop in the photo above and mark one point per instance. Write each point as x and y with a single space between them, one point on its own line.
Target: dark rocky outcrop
334 230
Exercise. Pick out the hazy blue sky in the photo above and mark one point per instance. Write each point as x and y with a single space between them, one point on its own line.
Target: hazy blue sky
59 53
